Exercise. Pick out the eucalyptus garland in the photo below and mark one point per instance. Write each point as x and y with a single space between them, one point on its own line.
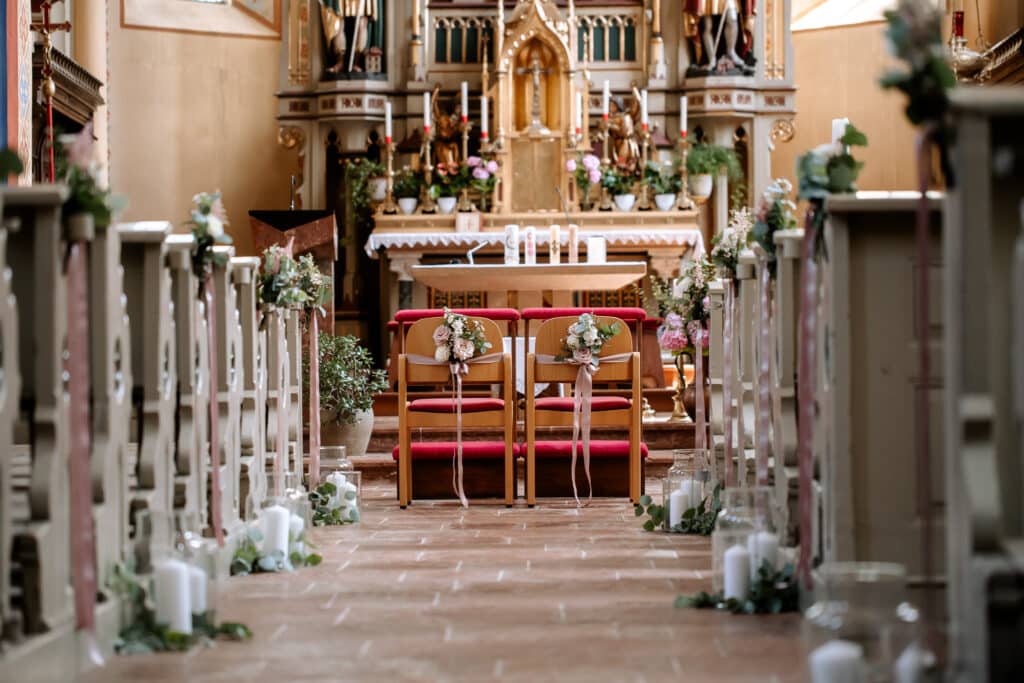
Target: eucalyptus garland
699 521
250 559
772 592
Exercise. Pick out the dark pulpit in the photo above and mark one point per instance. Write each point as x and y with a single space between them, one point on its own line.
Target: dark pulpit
313 232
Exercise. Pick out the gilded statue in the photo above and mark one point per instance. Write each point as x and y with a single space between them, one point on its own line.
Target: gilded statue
346 25
720 46
447 144
623 131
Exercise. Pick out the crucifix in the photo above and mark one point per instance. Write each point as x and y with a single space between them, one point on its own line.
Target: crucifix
49 88
535 71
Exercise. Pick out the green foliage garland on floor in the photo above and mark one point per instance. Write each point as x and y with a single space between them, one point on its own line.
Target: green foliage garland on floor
774 592
323 513
696 521
249 559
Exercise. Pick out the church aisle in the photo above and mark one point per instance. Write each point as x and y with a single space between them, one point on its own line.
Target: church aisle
436 593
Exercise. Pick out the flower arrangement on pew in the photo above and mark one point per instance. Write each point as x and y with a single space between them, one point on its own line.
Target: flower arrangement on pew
145 635
458 339
280 282
260 551
314 284
773 591
584 340
698 521
76 167
727 245
774 212
687 309
829 169
207 223
586 171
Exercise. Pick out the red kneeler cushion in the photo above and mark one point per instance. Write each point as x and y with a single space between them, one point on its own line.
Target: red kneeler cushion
628 314
598 449
447 405
411 315
597 403
445 450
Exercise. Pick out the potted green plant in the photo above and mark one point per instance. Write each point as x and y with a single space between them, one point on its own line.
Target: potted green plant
620 182
451 178
704 162
407 188
348 384
665 182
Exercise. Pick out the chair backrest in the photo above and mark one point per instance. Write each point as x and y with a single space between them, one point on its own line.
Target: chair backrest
551 335
419 341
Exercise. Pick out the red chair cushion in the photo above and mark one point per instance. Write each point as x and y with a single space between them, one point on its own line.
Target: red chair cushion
597 403
392 325
445 450
630 314
598 449
447 405
411 315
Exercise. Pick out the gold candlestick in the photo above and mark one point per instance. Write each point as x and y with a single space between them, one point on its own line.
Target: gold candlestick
428 205
606 162
645 191
464 203
389 205
684 203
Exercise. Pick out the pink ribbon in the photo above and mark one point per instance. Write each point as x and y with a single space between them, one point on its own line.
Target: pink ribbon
281 457
83 542
314 399
698 344
806 385
741 427
764 389
211 330
728 379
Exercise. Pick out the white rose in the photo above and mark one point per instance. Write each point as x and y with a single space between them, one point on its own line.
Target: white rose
442 354
457 327
573 341
590 336
214 226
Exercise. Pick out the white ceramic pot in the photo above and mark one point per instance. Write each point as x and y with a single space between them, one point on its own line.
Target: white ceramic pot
446 204
665 202
625 202
408 204
701 185
378 189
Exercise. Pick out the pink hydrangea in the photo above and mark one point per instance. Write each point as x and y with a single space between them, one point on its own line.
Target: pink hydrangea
480 173
570 166
492 166
473 162
673 340
674 321
595 175
591 162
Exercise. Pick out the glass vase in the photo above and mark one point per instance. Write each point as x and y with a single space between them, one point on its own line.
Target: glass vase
346 496
685 484
744 541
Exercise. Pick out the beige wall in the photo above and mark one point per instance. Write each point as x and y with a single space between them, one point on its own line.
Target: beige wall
192 112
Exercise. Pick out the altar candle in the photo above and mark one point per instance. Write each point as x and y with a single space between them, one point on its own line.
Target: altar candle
839 128
555 245
643 109
512 244
606 96
574 243
173 599
579 112
483 117
426 112
838 661
736 571
276 524
387 122
597 250
683 103
465 101
530 246
763 546
197 589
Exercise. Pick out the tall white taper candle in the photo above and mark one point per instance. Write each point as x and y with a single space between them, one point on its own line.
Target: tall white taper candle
683 114
484 126
644 121
426 112
606 97
465 101
387 122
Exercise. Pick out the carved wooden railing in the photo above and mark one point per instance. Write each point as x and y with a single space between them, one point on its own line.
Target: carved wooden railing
716 363
252 417
746 365
787 306
278 405
228 386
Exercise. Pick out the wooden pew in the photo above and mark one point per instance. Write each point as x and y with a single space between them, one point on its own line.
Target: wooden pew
745 342
154 371
278 405
787 307
716 366
293 327
253 410
193 373
228 386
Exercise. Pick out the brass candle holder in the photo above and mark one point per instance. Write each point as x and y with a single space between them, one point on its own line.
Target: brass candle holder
389 205
464 202
427 204
606 162
645 190
684 203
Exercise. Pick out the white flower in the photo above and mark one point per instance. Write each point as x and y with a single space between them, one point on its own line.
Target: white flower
458 327
442 354
214 226
463 348
573 341
590 336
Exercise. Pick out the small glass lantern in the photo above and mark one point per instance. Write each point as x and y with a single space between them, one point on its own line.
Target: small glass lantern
861 626
685 484
335 459
298 498
346 494
744 541
281 524
200 558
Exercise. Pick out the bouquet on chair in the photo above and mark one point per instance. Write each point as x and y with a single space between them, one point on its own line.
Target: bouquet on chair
585 339
458 339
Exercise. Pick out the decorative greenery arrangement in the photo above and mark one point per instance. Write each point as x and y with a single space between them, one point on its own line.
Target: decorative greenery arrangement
348 381
829 169
483 178
773 592
324 514
618 181
408 184
584 340
662 178
705 158
144 636
207 225
698 521
249 558
314 284
687 308
586 171
727 245
774 212
10 163
451 178
279 282
357 177
77 168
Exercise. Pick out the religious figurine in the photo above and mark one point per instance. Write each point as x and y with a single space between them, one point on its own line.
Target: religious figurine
718 46
347 32
536 72
622 129
447 128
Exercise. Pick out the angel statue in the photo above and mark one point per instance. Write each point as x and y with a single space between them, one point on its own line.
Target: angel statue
447 131
720 46
622 129
347 32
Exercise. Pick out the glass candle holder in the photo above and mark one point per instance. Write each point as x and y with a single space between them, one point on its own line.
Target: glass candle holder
298 498
744 540
861 625
346 496
276 522
685 484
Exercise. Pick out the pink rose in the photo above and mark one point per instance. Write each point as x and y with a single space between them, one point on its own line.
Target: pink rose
595 175
441 334
463 348
473 162
706 303
583 356
570 166
492 166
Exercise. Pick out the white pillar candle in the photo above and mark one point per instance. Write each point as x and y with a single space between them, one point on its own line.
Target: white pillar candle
276 524
839 128
173 599
597 250
512 244
483 117
683 113
574 243
387 122
736 572
295 527
606 96
426 112
676 506
555 245
579 112
197 589
763 546
530 246
838 661
911 664
691 493
643 109
465 101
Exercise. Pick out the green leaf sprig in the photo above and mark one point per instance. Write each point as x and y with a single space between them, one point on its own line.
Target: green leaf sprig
773 592
698 521
324 514
250 559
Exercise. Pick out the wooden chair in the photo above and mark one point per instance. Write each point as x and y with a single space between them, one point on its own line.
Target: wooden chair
606 410
440 412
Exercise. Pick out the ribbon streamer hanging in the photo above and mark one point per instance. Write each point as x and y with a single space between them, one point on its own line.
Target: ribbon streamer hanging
214 384
764 388
281 457
728 380
806 383
698 344
314 400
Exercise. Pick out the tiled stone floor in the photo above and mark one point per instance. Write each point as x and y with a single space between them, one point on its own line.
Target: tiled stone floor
437 593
